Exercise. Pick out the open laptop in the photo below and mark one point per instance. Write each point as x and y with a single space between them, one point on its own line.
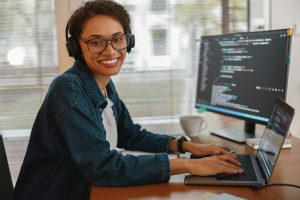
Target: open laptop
258 168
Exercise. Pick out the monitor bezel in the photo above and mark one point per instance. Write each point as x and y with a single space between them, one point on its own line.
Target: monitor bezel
237 114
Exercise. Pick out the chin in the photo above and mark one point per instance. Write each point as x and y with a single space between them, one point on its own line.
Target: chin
111 72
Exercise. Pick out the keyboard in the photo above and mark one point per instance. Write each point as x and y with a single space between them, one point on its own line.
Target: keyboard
247 175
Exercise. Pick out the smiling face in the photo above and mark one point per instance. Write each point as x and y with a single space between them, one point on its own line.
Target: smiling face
109 62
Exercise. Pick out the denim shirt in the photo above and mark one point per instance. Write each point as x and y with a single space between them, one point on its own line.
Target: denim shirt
68 151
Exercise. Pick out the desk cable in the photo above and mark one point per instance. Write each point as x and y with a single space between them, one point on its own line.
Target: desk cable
276 184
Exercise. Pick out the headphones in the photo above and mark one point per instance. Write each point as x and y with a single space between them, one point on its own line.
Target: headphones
74 49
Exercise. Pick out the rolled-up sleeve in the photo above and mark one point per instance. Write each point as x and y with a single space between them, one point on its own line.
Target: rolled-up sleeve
90 152
131 136
81 127
164 167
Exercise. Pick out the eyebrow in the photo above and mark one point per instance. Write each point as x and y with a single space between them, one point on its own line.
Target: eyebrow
100 36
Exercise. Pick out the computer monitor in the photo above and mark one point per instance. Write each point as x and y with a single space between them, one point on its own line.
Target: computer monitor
241 75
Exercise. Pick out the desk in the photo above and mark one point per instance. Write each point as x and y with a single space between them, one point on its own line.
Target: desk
287 170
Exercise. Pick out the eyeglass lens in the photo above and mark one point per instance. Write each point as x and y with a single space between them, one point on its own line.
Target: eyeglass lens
98 45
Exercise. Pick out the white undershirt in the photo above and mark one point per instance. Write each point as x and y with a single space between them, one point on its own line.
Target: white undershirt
110 124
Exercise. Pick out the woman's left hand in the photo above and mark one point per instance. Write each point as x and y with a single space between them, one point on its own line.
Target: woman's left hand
204 149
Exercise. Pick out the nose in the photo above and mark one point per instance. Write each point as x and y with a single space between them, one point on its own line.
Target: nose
109 48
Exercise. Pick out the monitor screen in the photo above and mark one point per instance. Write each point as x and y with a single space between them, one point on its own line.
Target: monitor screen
242 74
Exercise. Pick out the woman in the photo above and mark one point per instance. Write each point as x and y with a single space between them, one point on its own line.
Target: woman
74 139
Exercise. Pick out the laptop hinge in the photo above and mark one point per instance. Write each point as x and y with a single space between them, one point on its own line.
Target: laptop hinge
261 169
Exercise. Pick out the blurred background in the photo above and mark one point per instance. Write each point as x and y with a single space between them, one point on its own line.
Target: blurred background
158 79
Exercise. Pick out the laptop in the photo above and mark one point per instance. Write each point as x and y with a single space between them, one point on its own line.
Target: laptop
258 168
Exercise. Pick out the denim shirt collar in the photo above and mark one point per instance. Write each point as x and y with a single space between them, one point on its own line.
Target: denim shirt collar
99 100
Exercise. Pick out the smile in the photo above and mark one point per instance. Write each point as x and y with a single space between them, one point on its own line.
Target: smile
109 62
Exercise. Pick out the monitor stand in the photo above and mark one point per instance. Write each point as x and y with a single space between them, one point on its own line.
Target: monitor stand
237 135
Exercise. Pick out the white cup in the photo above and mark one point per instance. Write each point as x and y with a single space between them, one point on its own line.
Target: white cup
192 125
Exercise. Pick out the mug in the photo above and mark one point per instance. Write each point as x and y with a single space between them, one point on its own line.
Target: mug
192 125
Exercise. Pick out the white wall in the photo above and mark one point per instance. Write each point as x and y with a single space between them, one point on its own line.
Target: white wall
287 14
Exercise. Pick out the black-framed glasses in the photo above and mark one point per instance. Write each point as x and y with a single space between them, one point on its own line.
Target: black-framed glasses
98 44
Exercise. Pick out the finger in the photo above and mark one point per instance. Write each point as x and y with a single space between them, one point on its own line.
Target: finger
229 158
220 161
231 170
219 151
228 165
225 152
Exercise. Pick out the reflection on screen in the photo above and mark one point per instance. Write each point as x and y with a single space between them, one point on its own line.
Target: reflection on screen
273 137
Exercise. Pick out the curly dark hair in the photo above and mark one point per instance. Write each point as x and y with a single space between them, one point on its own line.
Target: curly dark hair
94 8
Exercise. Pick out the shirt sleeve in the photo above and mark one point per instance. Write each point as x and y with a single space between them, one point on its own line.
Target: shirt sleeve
101 166
81 127
131 136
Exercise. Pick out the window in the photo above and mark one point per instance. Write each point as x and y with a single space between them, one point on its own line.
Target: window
158 5
160 79
28 59
159 41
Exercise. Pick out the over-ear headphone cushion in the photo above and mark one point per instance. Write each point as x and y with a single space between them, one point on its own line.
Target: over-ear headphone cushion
131 43
73 47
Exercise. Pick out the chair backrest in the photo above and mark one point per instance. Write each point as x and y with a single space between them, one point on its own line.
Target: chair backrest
6 185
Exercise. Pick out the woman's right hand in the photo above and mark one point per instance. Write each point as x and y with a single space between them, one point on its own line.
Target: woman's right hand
213 165
206 166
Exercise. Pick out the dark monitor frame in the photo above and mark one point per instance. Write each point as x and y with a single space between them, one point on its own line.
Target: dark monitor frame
238 135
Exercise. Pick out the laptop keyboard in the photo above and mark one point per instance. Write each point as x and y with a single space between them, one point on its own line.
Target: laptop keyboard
247 175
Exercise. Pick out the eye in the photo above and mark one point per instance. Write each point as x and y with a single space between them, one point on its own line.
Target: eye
96 42
118 39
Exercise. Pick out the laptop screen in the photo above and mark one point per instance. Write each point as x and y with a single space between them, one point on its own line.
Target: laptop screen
274 135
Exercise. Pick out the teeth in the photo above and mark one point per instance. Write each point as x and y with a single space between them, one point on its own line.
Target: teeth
109 61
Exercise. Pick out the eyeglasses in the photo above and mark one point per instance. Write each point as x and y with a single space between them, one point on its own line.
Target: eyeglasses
98 45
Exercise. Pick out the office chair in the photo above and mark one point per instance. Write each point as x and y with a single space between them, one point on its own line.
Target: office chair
6 185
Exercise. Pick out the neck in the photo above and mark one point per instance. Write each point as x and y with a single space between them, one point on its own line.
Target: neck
102 82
